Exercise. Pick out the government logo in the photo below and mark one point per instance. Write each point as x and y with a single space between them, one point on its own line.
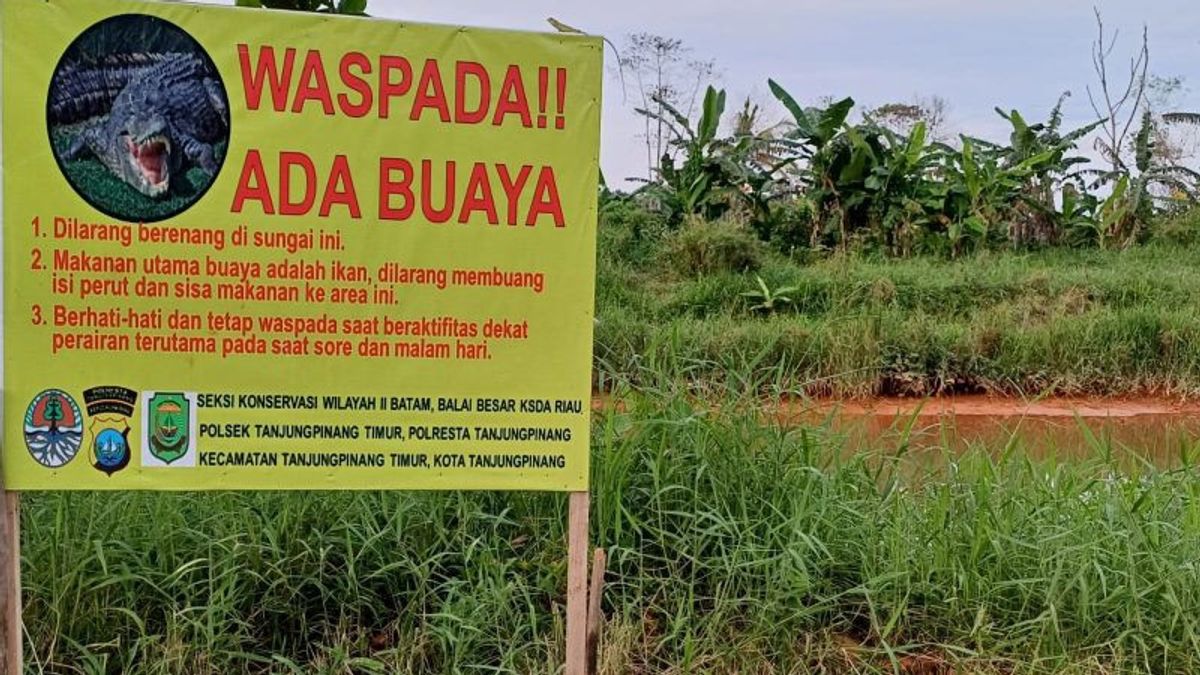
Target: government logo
53 428
110 409
168 429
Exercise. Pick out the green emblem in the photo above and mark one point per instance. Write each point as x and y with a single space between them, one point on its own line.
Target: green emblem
170 420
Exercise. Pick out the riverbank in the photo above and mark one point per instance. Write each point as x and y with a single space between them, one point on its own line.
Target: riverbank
1060 322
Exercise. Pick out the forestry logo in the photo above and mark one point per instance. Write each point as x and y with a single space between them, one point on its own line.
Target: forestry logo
110 408
168 429
53 428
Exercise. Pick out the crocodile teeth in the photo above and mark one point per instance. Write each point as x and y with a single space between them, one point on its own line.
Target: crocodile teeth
151 155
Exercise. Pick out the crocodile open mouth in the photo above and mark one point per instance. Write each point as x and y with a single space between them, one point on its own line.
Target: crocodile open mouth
150 157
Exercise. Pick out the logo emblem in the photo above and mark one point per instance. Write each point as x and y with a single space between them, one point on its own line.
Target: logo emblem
110 409
167 427
53 428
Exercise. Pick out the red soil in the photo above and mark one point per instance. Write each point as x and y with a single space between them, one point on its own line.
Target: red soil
1158 430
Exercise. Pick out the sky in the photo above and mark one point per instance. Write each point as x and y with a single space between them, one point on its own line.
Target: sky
975 54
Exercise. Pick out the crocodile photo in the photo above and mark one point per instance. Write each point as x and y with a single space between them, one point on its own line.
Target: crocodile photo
147 117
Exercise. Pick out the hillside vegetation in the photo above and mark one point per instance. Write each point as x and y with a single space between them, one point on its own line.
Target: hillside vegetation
709 297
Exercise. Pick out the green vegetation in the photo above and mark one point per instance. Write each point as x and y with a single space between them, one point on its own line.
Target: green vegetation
736 546
820 181
824 257
1051 321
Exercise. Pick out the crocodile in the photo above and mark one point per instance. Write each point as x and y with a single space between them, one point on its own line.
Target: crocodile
146 117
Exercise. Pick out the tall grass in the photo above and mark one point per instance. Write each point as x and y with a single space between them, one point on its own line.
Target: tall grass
736 546
1055 322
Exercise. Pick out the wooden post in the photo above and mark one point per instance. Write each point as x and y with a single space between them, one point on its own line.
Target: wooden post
577 600
595 615
10 580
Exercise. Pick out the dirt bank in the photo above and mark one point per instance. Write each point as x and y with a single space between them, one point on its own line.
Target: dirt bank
1012 408
1157 430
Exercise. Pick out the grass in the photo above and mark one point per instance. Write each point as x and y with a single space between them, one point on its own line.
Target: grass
1052 322
736 546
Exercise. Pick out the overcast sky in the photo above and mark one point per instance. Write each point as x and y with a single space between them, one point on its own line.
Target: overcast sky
977 55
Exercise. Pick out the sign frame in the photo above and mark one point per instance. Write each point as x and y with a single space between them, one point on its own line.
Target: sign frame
583 615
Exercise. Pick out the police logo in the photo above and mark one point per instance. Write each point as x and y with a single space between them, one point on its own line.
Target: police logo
168 433
110 409
53 428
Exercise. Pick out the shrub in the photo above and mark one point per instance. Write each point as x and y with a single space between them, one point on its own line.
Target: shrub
1177 228
792 226
703 247
629 232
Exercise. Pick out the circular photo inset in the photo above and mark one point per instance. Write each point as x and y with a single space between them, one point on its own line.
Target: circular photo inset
138 118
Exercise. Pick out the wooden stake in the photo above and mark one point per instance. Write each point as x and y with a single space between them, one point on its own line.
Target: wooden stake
10 580
595 617
577 600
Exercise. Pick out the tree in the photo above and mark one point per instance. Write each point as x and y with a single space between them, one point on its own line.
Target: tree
54 413
1174 132
1117 103
902 118
666 78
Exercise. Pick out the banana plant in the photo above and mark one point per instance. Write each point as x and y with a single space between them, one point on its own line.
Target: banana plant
979 191
1080 216
904 197
1153 182
830 161
1045 156
702 183
1117 214
813 127
768 300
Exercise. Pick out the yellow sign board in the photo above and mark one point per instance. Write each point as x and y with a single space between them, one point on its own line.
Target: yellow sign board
247 249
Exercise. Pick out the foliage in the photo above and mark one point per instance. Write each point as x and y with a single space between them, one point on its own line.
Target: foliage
824 181
766 299
1056 321
1180 227
707 247
693 188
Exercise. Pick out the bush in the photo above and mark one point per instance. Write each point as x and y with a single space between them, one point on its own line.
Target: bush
628 232
1177 228
703 247
792 226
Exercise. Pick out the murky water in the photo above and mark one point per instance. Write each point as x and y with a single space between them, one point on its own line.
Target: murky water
1159 432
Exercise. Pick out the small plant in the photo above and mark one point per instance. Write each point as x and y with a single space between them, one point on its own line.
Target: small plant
766 300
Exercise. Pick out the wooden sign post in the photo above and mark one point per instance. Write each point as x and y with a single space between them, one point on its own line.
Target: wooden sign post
10 580
577 584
